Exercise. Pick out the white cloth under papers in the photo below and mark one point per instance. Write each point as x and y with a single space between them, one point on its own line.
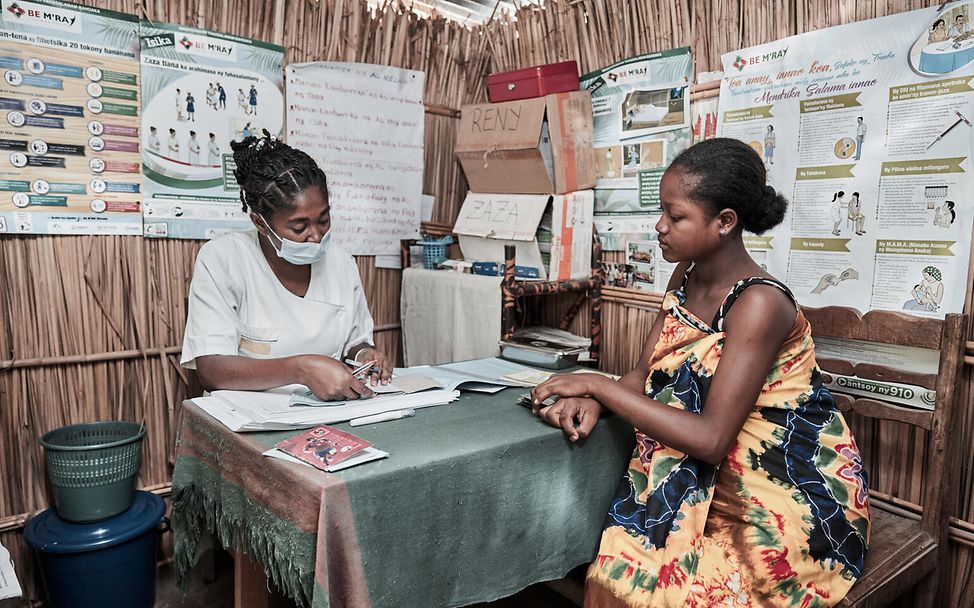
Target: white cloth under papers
238 306
449 316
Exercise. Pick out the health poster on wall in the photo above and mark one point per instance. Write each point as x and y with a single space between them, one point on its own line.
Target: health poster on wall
202 90
69 136
867 129
364 126
641 121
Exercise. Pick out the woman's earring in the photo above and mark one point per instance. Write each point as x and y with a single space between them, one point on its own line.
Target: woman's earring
722 232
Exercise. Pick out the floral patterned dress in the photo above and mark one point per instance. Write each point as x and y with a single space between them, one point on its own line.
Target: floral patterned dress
782 521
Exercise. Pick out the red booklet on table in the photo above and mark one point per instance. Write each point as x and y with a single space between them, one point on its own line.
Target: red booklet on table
330 449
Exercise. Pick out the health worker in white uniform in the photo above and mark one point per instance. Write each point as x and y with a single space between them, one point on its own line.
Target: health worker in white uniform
280 304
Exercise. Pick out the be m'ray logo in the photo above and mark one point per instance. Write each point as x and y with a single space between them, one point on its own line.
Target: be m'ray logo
23 12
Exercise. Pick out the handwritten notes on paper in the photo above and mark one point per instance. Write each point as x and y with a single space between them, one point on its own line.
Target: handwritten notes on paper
363 124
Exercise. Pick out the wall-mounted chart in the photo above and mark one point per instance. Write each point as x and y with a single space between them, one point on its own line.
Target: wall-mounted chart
69 120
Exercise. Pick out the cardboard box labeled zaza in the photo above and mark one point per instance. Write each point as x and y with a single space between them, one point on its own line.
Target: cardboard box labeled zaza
531 146
487 222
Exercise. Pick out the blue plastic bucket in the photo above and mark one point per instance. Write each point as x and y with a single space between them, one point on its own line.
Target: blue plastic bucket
109 564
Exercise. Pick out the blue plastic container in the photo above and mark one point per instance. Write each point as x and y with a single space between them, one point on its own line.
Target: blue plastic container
109 564
434 251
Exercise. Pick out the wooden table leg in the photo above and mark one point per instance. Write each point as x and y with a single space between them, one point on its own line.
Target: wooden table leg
249 583
508 299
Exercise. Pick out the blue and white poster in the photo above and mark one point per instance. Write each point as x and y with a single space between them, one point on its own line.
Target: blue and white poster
202 90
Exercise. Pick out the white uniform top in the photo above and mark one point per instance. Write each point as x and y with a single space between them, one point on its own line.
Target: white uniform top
214 156
238 306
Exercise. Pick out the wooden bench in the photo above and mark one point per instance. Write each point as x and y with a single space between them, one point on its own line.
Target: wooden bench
904 551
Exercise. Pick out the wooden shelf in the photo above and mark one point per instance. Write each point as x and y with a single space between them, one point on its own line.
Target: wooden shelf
589 288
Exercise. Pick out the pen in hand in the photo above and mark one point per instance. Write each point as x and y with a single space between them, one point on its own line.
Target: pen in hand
360 371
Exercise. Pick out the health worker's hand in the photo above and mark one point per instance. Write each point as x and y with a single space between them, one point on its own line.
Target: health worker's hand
331 380
382 363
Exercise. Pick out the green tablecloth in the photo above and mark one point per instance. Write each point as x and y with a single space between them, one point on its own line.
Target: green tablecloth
477 500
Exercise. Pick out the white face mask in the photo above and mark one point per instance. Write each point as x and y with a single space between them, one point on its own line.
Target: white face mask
299 254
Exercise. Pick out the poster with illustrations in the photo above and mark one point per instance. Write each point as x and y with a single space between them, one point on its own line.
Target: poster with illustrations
202 90
650 271
867 129
641 119
364 126
704 110
69 133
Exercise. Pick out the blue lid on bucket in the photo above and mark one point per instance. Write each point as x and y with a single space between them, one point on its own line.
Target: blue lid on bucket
49 533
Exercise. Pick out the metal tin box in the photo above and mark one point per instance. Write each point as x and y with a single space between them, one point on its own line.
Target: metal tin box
535 81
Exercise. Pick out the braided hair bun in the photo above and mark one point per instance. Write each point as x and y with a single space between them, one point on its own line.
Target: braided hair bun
271 173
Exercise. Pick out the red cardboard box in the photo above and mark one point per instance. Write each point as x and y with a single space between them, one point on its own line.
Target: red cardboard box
536 81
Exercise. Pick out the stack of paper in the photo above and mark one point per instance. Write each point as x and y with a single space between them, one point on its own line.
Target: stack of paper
9 586
242 411
559 337
294 407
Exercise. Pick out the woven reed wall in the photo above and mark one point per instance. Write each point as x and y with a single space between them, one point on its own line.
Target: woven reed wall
91 326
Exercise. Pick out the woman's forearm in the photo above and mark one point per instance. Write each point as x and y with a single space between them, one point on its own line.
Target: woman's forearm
693 434
635 380
234 372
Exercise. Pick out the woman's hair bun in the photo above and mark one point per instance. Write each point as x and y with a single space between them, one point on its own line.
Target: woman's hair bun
770 214
728 174
271 173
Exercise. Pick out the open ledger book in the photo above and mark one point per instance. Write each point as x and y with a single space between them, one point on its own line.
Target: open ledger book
294 407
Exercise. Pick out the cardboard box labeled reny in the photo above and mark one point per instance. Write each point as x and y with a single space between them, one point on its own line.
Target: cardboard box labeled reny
531 146
487 222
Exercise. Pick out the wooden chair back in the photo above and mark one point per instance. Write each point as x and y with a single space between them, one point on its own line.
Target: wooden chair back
894 328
